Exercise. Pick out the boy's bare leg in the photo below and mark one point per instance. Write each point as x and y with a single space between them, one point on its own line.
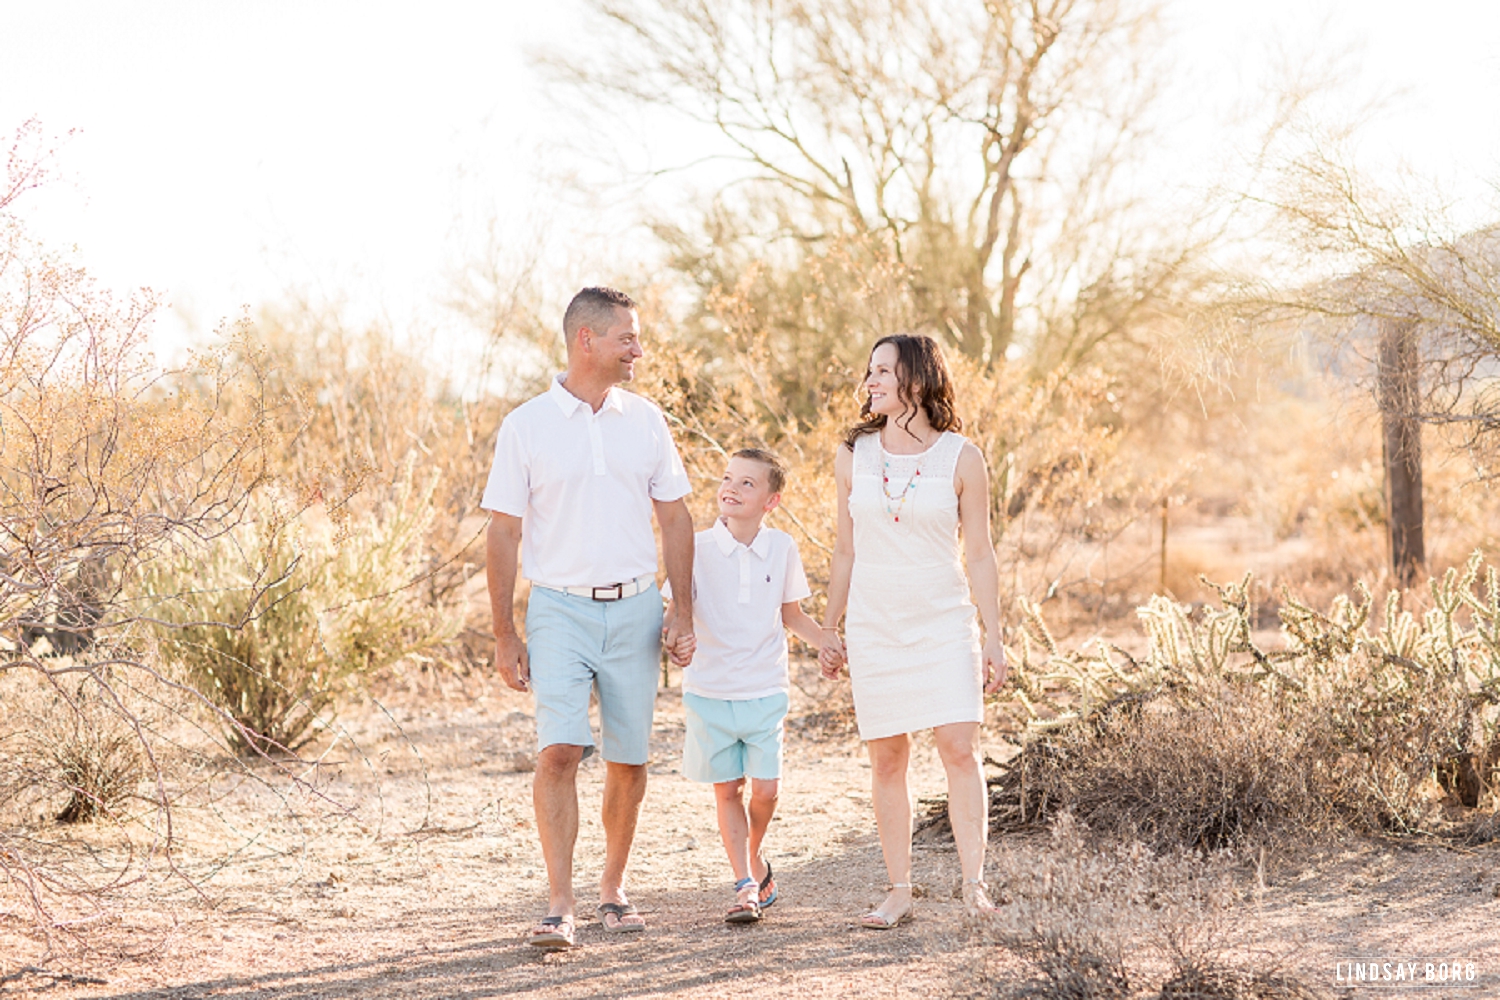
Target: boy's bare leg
554 797
624 790
763 797
734 825
734 830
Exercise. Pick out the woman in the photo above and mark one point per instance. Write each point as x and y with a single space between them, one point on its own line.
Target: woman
909 488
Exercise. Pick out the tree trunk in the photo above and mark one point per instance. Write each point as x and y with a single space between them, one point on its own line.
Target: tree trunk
1398 392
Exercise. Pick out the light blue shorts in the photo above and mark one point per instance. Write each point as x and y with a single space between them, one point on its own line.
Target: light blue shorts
727 740
578 646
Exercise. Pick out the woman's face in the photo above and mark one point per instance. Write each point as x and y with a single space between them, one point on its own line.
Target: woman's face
883 383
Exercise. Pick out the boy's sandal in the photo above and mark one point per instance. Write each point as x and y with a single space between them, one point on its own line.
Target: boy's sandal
877 921
620 911
768 891
552 934
747 912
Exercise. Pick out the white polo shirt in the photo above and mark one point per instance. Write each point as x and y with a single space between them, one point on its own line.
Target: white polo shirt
738 591
582 483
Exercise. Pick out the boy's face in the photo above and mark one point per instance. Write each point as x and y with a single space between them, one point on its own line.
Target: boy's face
746 490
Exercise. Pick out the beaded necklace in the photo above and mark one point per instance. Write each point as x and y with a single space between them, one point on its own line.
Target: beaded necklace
895 503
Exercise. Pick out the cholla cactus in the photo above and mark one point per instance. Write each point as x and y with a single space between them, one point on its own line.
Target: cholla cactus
1372 711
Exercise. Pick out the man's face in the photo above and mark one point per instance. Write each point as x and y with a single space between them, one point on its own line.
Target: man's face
615 349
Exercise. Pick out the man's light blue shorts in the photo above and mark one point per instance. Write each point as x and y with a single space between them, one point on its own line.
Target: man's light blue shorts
727 740
576 646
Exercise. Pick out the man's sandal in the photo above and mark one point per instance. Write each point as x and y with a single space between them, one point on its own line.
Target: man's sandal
552 934
747 912
768 890
877 921
619 911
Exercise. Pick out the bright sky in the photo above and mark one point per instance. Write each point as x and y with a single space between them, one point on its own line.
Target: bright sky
227 153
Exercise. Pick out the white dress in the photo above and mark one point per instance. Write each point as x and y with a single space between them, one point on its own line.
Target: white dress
913 643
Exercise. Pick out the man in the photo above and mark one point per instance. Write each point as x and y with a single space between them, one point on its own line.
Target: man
578 472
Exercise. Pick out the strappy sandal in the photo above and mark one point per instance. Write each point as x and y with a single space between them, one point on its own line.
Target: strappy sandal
768 891
877 921
975 890
552 934
747 912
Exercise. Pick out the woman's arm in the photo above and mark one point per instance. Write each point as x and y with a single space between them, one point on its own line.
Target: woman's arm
840 567
972 483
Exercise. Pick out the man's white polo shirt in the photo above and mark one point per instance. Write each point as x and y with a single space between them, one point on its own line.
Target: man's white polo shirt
582 483
738 591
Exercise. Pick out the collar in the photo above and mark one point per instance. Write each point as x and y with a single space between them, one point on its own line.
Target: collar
570 404
760 547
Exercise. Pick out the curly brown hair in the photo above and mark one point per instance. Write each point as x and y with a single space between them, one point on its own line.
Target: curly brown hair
922 379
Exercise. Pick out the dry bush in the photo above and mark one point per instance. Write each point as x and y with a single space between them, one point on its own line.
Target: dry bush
1101 921
275 622
365 409
1209 740
106 463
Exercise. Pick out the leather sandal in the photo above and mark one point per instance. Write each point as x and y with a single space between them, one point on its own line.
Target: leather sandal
744 912
552 934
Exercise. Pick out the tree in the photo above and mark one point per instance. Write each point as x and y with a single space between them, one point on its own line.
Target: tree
976 147
1414 301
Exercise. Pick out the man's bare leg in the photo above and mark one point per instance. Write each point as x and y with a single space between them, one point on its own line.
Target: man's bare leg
554 796
624 790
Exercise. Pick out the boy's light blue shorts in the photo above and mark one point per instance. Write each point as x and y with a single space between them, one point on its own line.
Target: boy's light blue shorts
727 740
577 646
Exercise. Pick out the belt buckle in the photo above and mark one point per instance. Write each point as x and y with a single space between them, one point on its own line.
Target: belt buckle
617 588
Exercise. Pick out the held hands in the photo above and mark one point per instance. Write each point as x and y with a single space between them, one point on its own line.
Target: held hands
677 636
831 655
512 662
995 665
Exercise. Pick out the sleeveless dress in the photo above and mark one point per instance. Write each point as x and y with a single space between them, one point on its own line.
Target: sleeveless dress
913 643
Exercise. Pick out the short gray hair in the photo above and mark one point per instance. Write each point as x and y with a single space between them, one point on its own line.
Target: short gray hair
594 307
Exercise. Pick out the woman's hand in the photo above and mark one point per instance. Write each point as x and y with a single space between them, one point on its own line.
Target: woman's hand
831 656
995 666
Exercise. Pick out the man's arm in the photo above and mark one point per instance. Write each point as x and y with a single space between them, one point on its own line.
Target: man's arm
676 524
502 543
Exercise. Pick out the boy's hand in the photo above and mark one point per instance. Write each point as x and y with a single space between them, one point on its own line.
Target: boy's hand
831 656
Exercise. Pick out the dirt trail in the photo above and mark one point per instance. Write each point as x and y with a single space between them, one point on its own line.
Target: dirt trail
428 887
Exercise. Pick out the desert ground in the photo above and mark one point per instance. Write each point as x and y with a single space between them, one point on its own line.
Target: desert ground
414 872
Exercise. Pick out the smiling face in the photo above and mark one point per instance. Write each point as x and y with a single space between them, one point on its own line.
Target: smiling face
883 383
614 349
745 491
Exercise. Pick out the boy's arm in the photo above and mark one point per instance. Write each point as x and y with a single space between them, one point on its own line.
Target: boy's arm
803 625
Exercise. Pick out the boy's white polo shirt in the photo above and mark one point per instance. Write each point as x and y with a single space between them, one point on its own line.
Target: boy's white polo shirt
583 484
738 592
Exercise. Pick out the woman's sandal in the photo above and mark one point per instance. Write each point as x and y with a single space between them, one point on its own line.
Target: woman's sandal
976 893
747 912
877 921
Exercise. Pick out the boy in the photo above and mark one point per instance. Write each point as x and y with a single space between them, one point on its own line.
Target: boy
747 582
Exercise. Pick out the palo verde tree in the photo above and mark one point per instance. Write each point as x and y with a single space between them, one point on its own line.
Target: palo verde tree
974 151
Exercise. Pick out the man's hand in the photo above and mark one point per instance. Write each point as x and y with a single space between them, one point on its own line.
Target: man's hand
677 635
511 661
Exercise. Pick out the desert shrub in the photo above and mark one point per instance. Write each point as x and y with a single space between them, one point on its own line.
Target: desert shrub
1104 920
1210 740
277 621
89 747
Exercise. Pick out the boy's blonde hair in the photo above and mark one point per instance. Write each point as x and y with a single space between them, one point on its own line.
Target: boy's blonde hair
777 476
